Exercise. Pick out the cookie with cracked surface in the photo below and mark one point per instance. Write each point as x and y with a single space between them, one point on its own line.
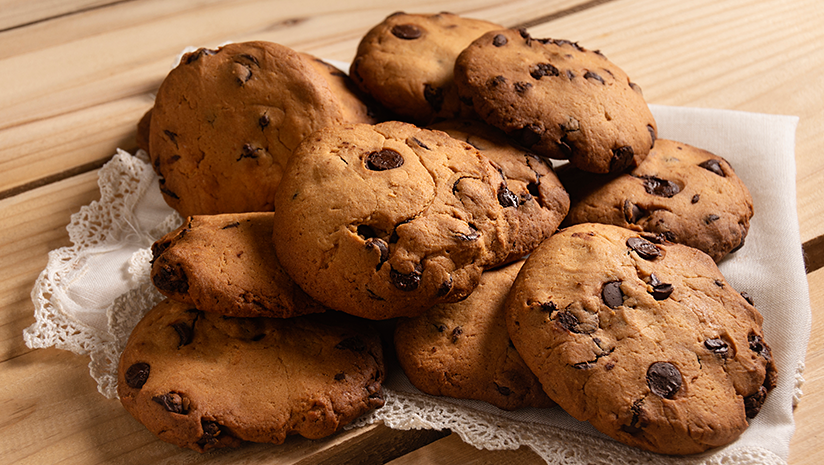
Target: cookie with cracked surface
462 350
406 63
200 380
387 220
542 202
557 99
646 341
226 121
686 194
227 264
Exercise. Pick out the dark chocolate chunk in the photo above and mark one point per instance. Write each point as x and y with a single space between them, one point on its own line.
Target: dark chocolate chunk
644 248
211 430
505 391
444 288
405 282
714 166
353 343
263 122
506 197
386 159
172 136
407 31
456 333
340 376
248 151
375 243
433 96
632 212
753 403
612 295
593 76
171 278
496 81
664 379
568 321
543 69
528 135
472 235
660 187
499 40
521 87
652 134
621 158
660 291
639 419
172 402
549 307
137 375
758 346
696 198
748 298
185 333
717 346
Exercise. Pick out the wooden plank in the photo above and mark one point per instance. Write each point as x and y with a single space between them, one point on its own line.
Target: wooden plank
19 13
805 447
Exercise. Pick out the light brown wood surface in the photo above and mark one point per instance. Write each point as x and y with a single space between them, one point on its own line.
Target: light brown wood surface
76 76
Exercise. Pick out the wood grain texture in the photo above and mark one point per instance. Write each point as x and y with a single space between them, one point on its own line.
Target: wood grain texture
76 75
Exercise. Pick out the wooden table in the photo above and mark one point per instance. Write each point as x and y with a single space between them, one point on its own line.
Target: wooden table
76 75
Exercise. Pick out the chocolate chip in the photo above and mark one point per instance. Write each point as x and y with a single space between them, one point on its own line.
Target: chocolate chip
695 198
171 278
644 248
660 187
612 295
353 343
543 69
714 166
340 376
405 282
441 327
444 288
456 333
758 346
753 403
375 243
496 81
263 122
528 135
664 379
710 218
568 321
594 76
717 346
570 75
172 136
506 197
505 391
194 56
748 298
406 31
473 235
248 151
639 419
185 333
549 307
652 134
234 224
632 212
660 291
385 159
211 430
172 402
521 87
420 143
433 96
137 375
621 158
499 40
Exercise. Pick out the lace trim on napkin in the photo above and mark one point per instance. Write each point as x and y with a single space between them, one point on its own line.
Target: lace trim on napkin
112 225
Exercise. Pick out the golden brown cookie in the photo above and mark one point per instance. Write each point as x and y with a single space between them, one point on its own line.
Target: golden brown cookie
227 264
388 220
406 63
557 99
226 121
463 350
686 194
646 341
202 380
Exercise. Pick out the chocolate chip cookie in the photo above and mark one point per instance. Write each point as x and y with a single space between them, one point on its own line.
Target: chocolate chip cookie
541 200
686 194
647 341
462 350
202 381
226 121
227 264
387 220
406 63
557 98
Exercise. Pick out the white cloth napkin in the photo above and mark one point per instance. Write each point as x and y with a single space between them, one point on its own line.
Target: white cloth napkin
92 293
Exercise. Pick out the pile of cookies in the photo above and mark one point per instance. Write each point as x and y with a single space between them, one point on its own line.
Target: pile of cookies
420 192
